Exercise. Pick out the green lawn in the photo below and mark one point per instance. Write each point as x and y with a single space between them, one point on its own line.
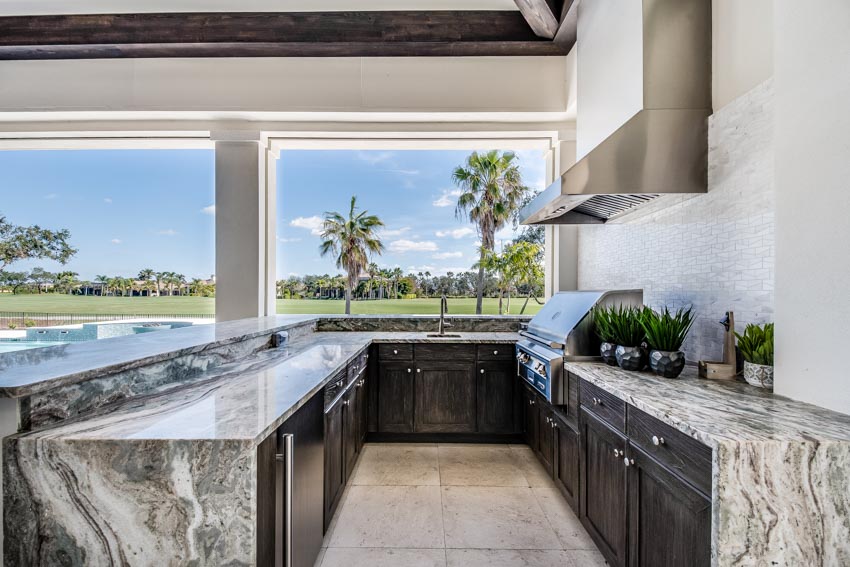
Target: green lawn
55 303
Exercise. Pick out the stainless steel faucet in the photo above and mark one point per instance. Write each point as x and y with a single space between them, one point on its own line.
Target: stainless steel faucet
444 308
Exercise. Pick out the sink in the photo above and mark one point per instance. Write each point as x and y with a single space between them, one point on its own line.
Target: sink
444 336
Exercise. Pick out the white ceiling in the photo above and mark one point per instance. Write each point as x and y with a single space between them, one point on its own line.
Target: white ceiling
41 7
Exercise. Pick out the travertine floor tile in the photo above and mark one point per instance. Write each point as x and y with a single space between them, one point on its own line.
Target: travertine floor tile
479 465
401 464
384 557
495 518
319 559
527 462
389 516
563 520
587 558
508 558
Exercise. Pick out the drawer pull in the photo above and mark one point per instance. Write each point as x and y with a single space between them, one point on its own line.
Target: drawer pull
618 453
409 371
657 441
418 370
495 352
395 351
482 371
554 425
597 401
628 462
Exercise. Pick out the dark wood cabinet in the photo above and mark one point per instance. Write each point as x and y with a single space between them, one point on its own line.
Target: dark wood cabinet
496 407
669 520
302 517
445 397
603 487
350 430
546 437
334 462
362 401
566 461
395 397
529 417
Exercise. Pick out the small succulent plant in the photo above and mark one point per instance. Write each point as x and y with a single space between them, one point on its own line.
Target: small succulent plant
602 323
756 344
666 331
625 325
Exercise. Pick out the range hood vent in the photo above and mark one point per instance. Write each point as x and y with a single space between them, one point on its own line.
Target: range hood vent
663 148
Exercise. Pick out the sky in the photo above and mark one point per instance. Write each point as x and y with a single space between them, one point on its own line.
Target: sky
133 209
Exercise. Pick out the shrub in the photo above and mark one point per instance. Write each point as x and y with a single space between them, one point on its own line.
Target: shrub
666 331
13 326
29 323
625 325
756 344
602 323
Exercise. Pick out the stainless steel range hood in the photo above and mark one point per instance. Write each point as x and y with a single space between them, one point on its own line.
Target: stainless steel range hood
663 148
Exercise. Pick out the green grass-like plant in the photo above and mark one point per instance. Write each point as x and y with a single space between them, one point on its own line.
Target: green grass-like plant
756 344
667 331
602 323
625 325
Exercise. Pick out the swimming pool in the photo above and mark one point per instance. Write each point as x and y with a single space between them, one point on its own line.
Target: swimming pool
7 345
39 337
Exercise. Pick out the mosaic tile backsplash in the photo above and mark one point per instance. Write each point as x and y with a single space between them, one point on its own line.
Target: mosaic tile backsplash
714 252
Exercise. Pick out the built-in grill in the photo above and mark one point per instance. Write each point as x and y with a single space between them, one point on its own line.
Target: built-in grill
563 330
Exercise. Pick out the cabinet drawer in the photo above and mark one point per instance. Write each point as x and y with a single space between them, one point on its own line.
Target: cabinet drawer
334 389
604 405
395 352
682 455
357 366
496 352
444 352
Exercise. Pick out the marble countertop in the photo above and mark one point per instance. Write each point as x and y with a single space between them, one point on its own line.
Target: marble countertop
34 370
242 401
715 412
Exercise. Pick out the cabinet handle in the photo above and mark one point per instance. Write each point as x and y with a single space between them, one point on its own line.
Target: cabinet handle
616 453
482 371
627 462
286 459
409 371
346 402
418 370
531 402
395 351
495 352
657 441
597 401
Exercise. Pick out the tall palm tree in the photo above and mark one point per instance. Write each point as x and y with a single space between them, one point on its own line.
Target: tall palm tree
102 280
491 192
397 274
146 276
372 269
352 240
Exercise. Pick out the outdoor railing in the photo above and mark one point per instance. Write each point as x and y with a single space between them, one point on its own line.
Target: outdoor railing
23 320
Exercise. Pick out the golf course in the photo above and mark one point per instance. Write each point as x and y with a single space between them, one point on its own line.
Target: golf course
188 305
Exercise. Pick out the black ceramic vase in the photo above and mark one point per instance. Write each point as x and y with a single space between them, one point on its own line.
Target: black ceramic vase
631 358
667 364
607 352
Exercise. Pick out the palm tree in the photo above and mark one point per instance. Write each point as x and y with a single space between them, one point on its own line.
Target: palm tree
492 190
145 276
500 266
353 241
524 258
397 274
372 269
102 280
159 277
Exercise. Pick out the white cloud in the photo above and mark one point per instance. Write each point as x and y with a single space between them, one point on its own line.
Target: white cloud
404 171
448 198
51 196
447 255
116 241
438 271
506 233
373 158
402 246
210 210
281 239
394 232
108 201
456 233
167 232
313 224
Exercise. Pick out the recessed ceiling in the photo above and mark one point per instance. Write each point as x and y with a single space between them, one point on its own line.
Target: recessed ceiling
45 7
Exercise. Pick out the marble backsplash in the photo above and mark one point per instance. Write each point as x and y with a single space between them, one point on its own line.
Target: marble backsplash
422 323
714 252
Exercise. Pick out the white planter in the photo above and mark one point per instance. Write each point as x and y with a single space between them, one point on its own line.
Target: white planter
758 375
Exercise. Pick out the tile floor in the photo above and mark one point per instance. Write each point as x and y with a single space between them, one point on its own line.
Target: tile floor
454 505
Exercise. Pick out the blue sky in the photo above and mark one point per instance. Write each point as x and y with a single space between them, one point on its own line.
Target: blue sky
129 210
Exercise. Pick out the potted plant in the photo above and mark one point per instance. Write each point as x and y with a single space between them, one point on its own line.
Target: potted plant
756 345
665 333
627 332
602 325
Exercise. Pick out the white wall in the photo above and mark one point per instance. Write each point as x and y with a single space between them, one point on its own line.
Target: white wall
812 80
742 47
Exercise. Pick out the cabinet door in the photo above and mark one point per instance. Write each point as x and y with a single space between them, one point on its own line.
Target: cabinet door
529 418
567 461
496 385
395 397
445 397
669 521
334 470
603 487
362 411
350 430
545 437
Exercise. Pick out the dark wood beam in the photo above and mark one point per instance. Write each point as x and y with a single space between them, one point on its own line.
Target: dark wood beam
281 34
540 15
568 28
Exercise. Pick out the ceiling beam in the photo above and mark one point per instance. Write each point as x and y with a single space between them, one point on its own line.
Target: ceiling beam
540 17
281 34
568 28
